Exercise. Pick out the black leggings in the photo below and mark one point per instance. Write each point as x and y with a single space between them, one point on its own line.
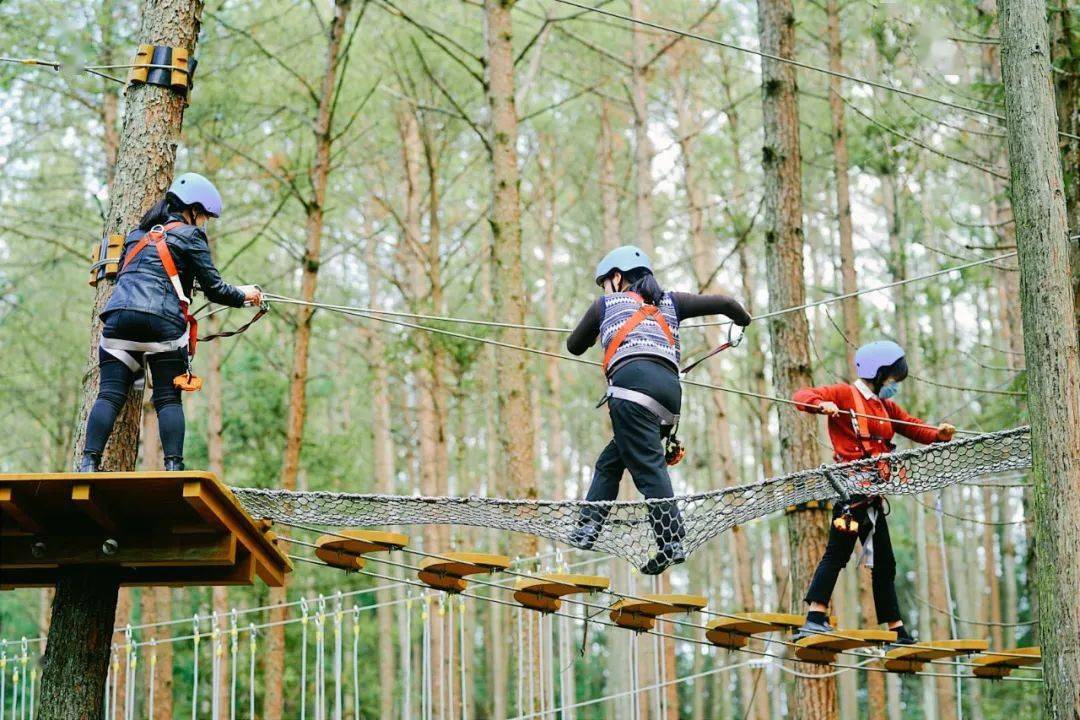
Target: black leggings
638 446
838 552
117 379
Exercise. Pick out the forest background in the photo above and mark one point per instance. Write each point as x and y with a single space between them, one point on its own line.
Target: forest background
624 133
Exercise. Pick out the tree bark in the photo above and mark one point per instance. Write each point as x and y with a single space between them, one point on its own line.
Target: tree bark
1050 342
1065 36
643 150
314 207
609 188
807 529
77 655
849 307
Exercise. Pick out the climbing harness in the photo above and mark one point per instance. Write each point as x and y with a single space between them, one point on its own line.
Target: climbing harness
122 349
731 342
644 311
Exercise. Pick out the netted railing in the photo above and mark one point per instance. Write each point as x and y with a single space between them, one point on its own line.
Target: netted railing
636 530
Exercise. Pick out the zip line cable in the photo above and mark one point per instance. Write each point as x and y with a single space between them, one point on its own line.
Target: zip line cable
273 297
794 62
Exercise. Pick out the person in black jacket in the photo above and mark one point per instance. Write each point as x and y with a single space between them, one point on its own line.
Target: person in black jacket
146 318
637 323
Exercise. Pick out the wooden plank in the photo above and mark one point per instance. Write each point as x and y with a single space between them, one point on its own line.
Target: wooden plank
447 572
11 505
823 648
267 565
345 548
908 659
83 497
641 614
140 551
542 593
241 573
999 665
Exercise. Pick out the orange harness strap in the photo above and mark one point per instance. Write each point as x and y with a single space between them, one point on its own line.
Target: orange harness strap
644 311
157 237
860 423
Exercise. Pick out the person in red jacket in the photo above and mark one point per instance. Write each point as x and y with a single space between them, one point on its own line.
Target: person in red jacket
881 366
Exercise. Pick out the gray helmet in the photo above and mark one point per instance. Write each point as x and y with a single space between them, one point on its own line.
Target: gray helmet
627 257
194 189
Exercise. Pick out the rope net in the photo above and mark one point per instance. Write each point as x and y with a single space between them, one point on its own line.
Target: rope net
645 531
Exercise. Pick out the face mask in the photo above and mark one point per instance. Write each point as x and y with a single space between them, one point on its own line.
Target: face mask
888 390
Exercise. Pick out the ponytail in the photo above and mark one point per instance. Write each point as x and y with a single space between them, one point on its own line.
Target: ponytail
644 283
160 212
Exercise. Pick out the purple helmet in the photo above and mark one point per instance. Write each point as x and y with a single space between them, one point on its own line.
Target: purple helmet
194 189
871 357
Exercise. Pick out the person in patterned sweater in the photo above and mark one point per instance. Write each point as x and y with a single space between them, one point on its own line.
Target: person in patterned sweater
637 324
861 426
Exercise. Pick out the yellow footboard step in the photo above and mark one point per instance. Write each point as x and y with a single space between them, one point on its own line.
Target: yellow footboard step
822 649
910 659
345 549
543 591
735 631
448 572
999 665
642 614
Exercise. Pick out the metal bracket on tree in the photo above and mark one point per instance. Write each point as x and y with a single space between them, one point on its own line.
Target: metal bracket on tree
164 66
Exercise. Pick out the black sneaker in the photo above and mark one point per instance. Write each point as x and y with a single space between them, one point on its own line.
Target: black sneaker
90 463
902 638
174 464
584 536
670 554
811 628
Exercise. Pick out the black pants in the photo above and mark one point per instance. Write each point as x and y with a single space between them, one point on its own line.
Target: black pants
838 551
117 379
638 446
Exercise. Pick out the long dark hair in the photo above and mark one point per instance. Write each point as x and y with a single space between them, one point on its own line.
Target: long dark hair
161 211
644 283
898 370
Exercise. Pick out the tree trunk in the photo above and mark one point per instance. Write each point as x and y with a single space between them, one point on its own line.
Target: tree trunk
643 150
294 424
807 529
1065 36
938 597
77 655
850 307
383 458
1050 345
609 188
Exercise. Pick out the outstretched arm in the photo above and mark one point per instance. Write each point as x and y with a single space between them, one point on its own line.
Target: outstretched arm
824 399
215 289
691 305
587 331
921 432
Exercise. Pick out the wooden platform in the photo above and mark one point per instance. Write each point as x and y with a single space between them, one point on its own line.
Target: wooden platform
995 665
345 549
543 592
735 631
448 574
642 614
822 649
158 528
907 659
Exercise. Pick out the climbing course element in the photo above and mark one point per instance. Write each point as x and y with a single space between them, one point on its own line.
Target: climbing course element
641 614
629 529
448 571
154 528
911 659
994 665
822 649
735 631
106 258
163 66
543 592
345 549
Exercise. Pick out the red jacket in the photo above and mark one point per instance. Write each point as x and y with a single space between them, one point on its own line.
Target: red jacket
845 445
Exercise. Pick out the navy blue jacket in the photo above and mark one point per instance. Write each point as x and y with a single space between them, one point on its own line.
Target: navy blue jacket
144 285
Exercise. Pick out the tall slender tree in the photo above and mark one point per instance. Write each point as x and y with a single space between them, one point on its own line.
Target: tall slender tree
1051 354
784 239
